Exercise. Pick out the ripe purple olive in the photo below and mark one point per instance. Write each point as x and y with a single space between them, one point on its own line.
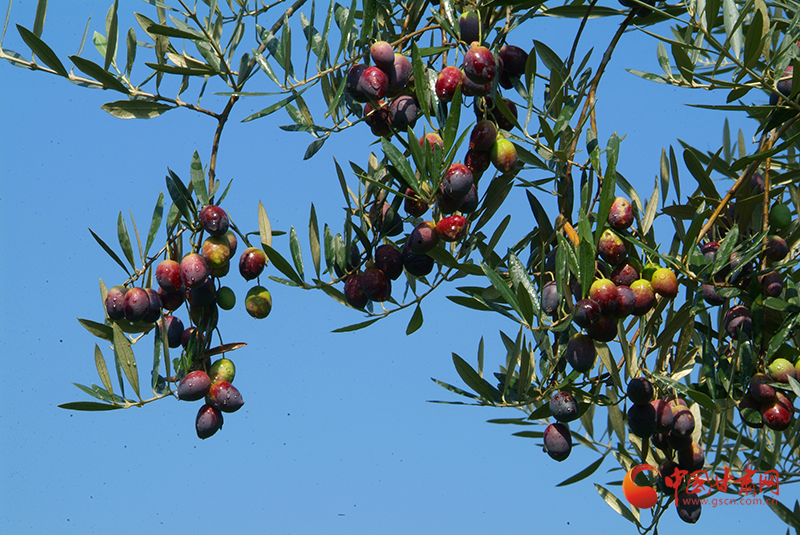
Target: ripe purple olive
550 298
173 327
351 85
480 65
477 161
399 74
625 274
470 201
626 302
452 228
711 296
375 284
738 319
153 306
469 25
772 284
373 83
194 270
580 353
171 299
168 275
640 390
135 304
214 220
194 386
777 249
382 55
620 216
225 397
557 441
682 421
403 113
604 293
448 81
208 421
389 260
514 59
423 238
776 416
252 263
416 265
688 505
587 312
604 329
413 205
611 248
563 407
759 391
483 135
457 181
114 302
353 293
642 420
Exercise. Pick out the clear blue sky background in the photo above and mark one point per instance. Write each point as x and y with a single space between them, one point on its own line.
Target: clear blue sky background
336 435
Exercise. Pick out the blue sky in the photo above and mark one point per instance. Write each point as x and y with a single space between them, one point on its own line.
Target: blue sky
337 435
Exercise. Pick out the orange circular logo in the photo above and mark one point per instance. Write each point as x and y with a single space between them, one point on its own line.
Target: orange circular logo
641 497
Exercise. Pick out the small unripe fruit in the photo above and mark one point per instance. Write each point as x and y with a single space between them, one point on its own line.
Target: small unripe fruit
258 302
194 386
233 242
194 270
780 216
780 370
226 299
214 220
504 155
665 283
557 441
225 397
216 251
208 421
222 370
252 263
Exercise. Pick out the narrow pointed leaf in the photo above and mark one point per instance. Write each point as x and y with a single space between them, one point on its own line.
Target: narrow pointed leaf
97 72
42 51
264 226
282 265
126 359
155 222
475 381
89 406
616 504
110 252
199 179
100 330
313 239
416 321
111 36
125 240
297 255
355 327
583 474
102 370
502 288
135 109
